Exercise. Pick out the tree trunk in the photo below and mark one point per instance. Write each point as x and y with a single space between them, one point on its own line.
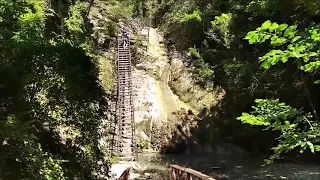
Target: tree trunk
60 8
89 8
314 111
144 8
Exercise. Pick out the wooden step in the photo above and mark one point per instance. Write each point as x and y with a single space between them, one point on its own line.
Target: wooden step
125 81
126 134
123 78
125 66
127 107
128 123
126 126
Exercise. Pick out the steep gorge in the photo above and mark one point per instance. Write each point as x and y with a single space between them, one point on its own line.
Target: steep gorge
196 71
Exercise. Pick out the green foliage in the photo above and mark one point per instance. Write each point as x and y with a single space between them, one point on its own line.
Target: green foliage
20 147
75 22
114 160
290 44
180 13
302 46
48 84
112 29
238 74
202 68
267 111
195 53
120 10
142 144
297 129
261 7
196 15
51 168
107 71
30 23
221 24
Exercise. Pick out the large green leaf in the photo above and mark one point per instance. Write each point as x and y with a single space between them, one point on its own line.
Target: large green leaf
266 25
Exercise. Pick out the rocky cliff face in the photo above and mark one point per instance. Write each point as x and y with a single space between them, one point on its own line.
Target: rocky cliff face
154 99
167 99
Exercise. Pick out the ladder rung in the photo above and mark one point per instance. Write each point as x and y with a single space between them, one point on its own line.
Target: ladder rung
121 108
124 81
129 78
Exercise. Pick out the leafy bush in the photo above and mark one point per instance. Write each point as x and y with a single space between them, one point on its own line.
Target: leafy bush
50 115
142 144
221 24
196 15
75 22
302 46
297 128
203 69
120 10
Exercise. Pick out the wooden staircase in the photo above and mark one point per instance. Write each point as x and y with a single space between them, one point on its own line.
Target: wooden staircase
125 127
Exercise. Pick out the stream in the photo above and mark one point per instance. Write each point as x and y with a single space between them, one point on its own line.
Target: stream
231 167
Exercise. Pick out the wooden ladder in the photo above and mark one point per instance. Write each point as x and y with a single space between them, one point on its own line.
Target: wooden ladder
125 125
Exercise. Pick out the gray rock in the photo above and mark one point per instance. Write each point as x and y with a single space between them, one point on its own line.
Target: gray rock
141 135
147 175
